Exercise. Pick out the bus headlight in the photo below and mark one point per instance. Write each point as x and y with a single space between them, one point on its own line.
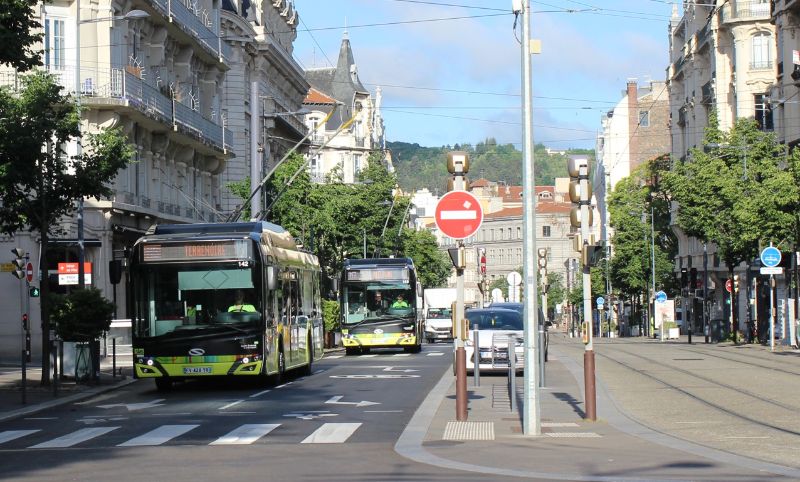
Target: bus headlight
150 362
245 360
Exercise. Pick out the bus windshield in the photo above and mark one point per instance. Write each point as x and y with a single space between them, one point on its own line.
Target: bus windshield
377 300
176 298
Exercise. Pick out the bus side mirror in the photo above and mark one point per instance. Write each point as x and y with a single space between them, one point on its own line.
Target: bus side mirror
272 278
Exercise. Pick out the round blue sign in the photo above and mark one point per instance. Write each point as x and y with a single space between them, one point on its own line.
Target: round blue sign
771 257
661 297
600 300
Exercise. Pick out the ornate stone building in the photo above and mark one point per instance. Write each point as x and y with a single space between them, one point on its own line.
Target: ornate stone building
340 88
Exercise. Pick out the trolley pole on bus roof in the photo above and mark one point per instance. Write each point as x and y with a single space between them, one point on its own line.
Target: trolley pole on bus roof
531 414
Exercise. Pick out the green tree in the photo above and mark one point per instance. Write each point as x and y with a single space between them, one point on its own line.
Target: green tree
20 32
39 182
82 315
433 265
738 193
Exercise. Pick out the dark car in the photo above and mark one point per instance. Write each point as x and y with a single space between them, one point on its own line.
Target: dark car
520 307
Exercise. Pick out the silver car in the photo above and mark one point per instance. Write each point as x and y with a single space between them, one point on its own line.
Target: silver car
520 308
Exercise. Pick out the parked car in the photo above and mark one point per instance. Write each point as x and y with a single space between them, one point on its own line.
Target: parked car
495 326
520 308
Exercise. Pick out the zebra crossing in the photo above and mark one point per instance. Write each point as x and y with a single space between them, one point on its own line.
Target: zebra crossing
327 433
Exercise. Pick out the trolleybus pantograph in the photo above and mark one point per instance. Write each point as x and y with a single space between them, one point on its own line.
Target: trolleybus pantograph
381 305
223 299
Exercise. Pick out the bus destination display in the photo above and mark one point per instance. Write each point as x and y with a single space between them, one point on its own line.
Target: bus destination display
195 251
396 274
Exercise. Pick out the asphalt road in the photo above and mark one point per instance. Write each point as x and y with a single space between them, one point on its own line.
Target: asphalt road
340 423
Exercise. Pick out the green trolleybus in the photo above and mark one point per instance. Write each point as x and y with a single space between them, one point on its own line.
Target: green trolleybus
223 299
381 305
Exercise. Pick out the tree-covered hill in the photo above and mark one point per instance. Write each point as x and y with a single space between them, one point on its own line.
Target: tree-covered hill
426 167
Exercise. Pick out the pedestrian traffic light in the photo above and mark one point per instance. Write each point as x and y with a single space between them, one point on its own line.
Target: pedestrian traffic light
736 283
34 292
19 263
684 277
692 278
25 321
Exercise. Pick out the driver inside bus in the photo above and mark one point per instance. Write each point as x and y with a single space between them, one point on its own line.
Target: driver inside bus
240 306
399 302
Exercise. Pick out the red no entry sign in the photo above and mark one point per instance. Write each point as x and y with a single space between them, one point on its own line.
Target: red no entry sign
458 214
29 272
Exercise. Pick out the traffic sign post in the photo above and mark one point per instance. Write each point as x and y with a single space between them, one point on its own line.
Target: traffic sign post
771 258
661 297
458 214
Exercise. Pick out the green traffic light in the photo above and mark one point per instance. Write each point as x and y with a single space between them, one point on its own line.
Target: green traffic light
34 292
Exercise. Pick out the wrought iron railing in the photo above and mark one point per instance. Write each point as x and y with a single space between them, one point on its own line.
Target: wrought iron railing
745 10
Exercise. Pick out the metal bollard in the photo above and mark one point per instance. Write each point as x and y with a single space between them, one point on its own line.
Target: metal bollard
114 358
540 353
24 378
476 372
512 372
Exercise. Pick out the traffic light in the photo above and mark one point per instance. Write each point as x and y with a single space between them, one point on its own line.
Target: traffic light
684 277
458 166
580 193
736 283
458 256
592 254
25 321
693 278
19 262
34 292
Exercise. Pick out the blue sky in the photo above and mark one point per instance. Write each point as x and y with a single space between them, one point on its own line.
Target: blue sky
458 79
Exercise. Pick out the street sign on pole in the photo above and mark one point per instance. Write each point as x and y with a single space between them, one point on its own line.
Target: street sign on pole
29 272
661 297
600 301
728 285
458 214
771 256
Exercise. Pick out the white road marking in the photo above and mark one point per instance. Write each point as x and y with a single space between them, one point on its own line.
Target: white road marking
246 434
362 403
332 433
371 355
259 393
311 414
237 402
158 436
402 354
41 418
285 384
135 406
435 353
334 356
10 435
74 438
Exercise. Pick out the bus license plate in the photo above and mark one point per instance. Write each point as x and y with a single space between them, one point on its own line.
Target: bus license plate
196 370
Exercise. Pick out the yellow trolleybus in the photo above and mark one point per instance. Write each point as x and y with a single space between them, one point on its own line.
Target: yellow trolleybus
223 299
381 305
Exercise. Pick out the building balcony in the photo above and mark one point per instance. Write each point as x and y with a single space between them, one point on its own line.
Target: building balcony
113 88
201 25
737 11
708 92
761 65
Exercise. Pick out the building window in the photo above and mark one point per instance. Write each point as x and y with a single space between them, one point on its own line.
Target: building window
761 53
519 232
356 164
644 118
509 234
763 112
546 231
54 43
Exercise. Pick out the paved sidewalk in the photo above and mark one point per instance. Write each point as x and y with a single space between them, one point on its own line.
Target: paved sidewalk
570 448
38 397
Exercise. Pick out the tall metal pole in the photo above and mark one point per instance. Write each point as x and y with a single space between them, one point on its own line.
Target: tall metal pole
255 159
531 415
460 329
706 328
588 354
79 147
653 266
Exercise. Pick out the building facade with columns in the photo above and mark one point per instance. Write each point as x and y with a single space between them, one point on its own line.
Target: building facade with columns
163 79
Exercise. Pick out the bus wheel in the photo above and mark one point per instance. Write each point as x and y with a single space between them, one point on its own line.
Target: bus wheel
309 368
163 384
351 351
281 375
